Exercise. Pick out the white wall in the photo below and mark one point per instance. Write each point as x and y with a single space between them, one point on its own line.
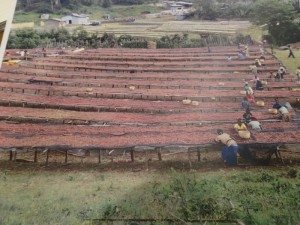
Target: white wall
7 9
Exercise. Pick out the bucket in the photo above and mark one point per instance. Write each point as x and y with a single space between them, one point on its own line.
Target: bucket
245 134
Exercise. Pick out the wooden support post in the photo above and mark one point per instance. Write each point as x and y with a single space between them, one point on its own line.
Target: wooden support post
66 157
189 157
47 157
15 155
99 156
132 155
198 154
159 154
35 156
10 155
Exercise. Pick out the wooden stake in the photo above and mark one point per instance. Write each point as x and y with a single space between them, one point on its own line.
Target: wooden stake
198 155
35 156
159 154
47 157
99 156
66 157
189 157
10 155
15 155
132 155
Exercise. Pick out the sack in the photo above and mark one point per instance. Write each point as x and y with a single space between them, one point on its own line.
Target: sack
245 134
264 82
187 101
273 111
195 103
260 103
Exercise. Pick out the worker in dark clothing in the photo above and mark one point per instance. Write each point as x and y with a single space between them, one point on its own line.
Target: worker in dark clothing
245 104
247 116
259 86
230 149
277 104
291 53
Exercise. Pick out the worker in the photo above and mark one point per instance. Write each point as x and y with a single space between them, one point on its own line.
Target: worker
247 51
256 78
284 114
44 52
247 116
261 50
277 104
257 63
241 55
291 54
298 73
255 125
229 152
259 86
245 104
247 88
26 54
253 69
240 126
281 72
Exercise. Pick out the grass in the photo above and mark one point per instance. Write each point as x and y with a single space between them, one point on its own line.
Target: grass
261 197
95 12
290 63
255 32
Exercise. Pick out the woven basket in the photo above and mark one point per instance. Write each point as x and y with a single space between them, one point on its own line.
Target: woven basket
245 134
273 111
186 101
264 82
195 103
260 103
131 88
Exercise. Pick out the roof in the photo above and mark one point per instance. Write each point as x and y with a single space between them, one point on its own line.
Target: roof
175 5
184 3
79 15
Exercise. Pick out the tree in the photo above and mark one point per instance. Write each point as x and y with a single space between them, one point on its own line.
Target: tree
106 3
279 18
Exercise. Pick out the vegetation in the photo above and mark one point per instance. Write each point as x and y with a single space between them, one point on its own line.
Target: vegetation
291 63
260 197
51 6
280 18
29 38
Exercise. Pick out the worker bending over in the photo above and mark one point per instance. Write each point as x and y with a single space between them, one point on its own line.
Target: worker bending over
229 152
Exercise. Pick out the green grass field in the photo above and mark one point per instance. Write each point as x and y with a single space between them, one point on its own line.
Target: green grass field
260 197
95 12
290 63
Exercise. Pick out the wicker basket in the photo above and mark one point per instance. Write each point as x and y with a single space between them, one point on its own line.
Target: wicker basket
273 111
195 103
260 103
245 134
186 101
264 82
